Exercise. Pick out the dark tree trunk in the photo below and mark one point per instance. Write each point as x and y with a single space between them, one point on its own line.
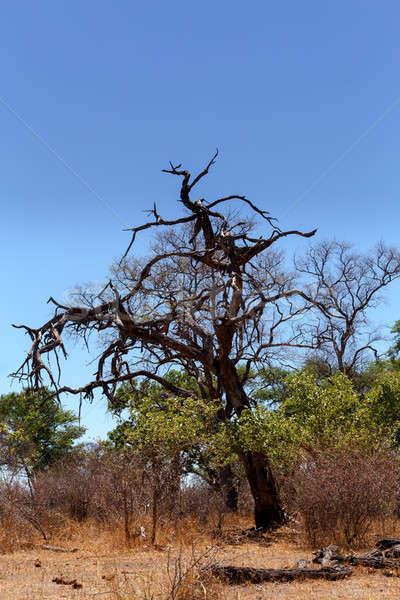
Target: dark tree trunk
268 512
228 483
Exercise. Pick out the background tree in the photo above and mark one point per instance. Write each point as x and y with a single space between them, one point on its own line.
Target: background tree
35 433
346 286
35 430
211 297
317 414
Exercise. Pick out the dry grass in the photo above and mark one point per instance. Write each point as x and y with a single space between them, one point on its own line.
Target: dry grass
109 571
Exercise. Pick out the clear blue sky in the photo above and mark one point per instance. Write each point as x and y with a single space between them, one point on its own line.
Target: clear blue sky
119 89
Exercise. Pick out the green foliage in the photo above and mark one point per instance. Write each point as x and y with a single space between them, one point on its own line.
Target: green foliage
163 425
267 385
394 351
323 413
35 431
158 425
327 411
383 401
291 416
172 425
130 395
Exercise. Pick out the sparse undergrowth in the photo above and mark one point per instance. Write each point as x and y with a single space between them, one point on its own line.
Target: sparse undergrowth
177 571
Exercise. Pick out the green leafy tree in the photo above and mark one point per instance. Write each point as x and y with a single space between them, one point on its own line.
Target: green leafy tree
151 417
383 403
166 426
35 431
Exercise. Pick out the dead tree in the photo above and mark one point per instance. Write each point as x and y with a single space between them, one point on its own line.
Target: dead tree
209 299
345 286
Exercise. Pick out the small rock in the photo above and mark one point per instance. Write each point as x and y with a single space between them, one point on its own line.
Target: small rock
301 564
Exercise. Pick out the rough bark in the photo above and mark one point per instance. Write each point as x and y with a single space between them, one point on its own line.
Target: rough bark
268 512
369 561
72 582
228 483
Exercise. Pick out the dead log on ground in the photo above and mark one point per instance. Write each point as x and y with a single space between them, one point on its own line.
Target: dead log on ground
393 552
387 543
235 575
375 559
57 548
327 555
390 547
373 562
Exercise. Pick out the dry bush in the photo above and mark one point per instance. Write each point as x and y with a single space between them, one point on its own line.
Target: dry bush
14 529
340 493
118 492
189 575
203 504
207 507
128 501
19 512
98 485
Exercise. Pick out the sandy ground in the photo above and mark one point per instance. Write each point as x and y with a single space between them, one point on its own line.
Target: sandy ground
143 574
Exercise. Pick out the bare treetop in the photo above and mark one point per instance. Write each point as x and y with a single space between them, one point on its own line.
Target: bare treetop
346 286
213 320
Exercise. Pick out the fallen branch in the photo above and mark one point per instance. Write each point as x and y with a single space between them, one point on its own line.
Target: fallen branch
382 556
387 543
57 548
379 562
235 575
390 547
326 555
